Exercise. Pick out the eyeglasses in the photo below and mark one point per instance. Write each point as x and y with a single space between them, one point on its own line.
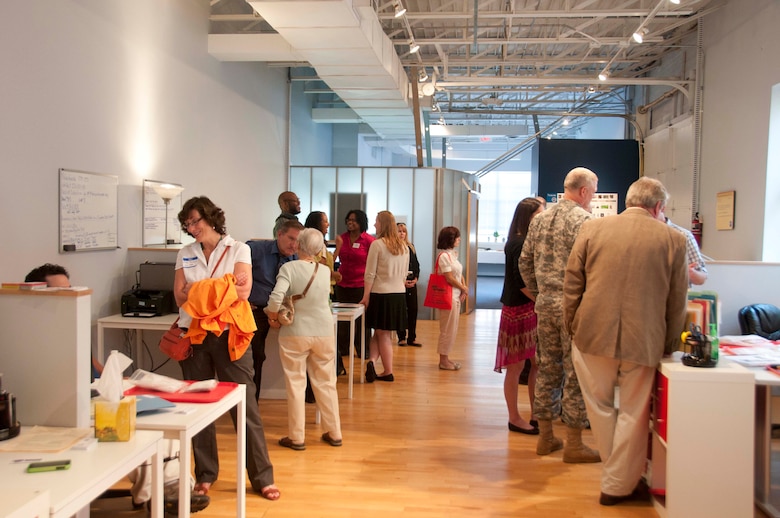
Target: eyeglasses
191 223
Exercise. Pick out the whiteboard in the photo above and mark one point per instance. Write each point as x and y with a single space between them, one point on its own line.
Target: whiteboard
88 211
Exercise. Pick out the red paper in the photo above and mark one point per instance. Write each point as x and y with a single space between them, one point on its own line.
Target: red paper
223 388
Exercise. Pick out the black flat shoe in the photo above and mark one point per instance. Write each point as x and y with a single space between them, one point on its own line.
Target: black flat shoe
386 377
534 423
414 344
370 372
532 431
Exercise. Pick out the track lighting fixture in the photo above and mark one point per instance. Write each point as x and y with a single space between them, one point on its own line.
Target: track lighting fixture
675 2
423 75
400 10
413 47
639 35
604 74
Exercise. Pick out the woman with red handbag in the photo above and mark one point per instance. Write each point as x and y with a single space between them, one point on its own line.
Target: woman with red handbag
213 255
449 266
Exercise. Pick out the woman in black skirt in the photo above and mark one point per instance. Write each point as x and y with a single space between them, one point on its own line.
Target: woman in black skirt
384 293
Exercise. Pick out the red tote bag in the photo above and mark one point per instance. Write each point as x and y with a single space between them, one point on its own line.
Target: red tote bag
439 292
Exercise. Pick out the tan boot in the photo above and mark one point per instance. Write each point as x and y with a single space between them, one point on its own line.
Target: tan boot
547 442
575 451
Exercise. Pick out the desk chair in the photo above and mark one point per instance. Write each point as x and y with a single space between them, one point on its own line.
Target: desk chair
760 319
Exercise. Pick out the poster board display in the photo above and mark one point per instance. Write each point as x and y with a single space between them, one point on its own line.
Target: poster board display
603 203
154 216
88 211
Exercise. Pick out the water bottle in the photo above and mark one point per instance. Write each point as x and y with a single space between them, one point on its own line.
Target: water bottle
715 343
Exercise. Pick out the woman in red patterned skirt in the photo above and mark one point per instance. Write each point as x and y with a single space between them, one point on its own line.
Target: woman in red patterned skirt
517 330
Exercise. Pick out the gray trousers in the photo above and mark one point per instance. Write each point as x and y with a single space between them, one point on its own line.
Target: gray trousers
212 358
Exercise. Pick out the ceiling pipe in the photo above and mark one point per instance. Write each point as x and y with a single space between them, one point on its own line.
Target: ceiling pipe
652 104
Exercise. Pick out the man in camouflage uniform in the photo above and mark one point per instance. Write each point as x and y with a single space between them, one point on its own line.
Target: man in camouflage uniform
542 265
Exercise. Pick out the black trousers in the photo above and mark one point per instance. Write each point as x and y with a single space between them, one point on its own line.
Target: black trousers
342 338
411 316
258 346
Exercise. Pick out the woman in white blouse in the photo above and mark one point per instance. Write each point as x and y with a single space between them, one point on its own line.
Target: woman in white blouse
450 267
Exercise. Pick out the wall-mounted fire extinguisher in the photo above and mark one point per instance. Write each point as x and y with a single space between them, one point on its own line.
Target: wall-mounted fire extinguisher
696 228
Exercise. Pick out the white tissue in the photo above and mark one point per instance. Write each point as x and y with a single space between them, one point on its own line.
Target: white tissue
110 382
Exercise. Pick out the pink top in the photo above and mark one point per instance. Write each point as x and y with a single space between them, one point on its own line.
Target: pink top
352 259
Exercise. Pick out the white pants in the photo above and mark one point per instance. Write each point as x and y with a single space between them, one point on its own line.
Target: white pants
317 355
141 477
621 433
448 327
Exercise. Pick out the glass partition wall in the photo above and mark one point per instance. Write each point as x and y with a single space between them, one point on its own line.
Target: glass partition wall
426 199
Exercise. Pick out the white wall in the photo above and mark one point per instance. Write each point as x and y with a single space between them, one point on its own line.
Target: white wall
741 67
126 87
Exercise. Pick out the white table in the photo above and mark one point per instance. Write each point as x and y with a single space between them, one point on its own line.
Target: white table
187 419
119 321
91 472
350 313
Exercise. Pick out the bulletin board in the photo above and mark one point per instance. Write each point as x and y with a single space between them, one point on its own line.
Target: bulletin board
88 217
154 215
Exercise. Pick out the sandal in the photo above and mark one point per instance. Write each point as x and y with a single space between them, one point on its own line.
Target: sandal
288 443
270 492
455 366
201 488
330 440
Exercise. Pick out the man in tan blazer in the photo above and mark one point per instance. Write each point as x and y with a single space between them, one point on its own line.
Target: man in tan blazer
625 292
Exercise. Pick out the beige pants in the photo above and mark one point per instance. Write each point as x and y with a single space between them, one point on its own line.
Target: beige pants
448 327
317 355
620 430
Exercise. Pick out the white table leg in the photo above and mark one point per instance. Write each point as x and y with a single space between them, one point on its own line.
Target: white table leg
241 453
185 453
352 356
157 482
362 346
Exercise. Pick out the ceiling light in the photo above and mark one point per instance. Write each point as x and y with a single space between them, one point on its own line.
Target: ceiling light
423 75
449 146
639 35
565 121
400 10
591 89
604 74
675 2
413 47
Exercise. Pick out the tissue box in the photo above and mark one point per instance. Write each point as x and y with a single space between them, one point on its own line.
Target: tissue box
115 421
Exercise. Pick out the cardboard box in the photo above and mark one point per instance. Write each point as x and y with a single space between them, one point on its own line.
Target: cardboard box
115 421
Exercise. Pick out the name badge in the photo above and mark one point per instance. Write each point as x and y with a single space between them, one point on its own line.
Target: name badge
189 262
355 245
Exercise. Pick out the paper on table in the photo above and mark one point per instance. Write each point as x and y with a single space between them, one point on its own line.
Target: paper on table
48 439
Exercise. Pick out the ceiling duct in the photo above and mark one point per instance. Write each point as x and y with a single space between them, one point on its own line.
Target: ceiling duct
345 43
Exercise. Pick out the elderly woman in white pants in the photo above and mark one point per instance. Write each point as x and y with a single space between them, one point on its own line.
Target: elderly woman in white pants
308 344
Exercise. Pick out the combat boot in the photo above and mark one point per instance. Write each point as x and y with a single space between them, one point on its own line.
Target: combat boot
547 442
575 451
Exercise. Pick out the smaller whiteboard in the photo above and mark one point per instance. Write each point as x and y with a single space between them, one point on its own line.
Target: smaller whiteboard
88 211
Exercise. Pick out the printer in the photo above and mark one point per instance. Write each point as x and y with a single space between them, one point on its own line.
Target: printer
147 303
154 295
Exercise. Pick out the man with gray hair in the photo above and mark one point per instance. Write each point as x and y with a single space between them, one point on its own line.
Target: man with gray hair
624 300
542 264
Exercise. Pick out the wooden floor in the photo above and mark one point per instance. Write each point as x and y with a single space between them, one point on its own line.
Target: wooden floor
432 444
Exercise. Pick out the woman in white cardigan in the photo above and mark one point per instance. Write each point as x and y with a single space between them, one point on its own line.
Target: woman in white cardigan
308 344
